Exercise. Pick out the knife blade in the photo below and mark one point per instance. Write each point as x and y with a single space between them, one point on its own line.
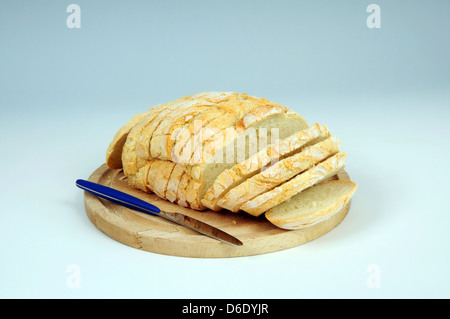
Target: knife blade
135 203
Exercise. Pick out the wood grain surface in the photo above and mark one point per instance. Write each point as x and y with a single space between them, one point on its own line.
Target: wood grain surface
157 235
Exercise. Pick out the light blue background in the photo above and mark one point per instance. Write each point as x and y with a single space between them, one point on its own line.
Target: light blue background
384 92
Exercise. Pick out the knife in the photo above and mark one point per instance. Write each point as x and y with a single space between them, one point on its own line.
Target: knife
135 203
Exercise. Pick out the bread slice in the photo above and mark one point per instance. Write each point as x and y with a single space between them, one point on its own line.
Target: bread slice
240 172
278 173
174 182
295 185
312 205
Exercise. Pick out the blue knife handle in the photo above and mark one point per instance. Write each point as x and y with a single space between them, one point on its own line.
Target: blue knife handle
118 197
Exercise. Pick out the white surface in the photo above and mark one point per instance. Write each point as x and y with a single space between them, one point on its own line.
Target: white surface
384 92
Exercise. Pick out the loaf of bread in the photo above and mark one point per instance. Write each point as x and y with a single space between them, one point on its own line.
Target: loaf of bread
224 150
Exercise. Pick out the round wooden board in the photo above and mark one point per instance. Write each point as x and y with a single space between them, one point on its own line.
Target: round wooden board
157 235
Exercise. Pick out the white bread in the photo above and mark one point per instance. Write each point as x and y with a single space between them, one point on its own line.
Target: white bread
278 173
312 205
240 172
295 185
165 151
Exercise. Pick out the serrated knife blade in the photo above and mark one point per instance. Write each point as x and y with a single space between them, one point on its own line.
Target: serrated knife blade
135 203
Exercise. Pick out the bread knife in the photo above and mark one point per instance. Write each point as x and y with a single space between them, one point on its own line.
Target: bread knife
135 203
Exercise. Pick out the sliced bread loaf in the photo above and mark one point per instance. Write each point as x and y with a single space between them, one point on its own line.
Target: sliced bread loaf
295 185
226 128
312 205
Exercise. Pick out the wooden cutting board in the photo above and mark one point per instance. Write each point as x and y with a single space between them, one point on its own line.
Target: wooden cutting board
157 235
